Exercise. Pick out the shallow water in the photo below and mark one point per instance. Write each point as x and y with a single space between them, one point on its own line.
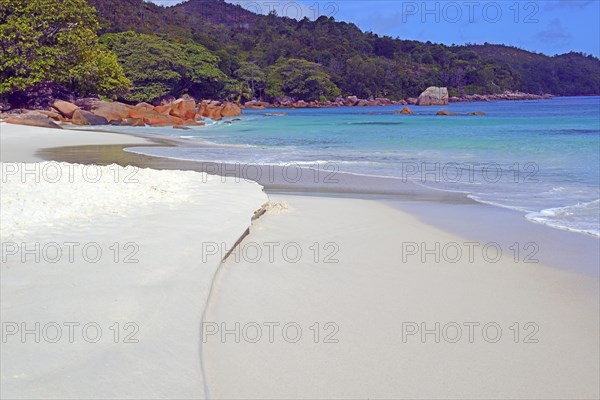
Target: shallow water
540 157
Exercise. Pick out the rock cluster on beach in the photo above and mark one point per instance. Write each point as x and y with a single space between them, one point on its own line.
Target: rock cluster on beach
349 101
92 111
507 95
187 112
432 96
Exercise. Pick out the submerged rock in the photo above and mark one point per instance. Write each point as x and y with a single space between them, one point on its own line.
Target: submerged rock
405 111
445 112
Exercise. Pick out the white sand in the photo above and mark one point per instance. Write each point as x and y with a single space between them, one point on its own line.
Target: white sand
161 221
371 292
19 142
368 294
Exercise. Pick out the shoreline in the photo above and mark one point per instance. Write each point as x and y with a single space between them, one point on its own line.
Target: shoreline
384 102
421 201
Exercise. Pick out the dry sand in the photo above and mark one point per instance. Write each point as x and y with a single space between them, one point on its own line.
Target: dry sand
373 295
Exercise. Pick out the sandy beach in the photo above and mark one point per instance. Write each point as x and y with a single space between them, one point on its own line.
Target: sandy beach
330 295
113 294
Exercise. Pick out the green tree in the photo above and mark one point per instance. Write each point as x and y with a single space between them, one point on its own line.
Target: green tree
55 40
301 79
253 76
159 67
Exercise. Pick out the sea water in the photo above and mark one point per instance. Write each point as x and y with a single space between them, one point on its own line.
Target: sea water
541 157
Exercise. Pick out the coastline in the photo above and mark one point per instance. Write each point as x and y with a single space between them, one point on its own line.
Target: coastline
368 225
438 208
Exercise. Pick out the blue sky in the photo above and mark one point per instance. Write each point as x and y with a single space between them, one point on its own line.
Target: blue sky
546 26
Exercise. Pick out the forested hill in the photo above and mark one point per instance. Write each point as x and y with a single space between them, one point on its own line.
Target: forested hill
213 48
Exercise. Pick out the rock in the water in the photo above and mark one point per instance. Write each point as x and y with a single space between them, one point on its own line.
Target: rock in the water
477 113
405 110
181 127
33 120
66 108
210 110
82 117
215 113
445 112
184 108
231 110
433 96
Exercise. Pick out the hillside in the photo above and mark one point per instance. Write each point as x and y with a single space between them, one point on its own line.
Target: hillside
252 51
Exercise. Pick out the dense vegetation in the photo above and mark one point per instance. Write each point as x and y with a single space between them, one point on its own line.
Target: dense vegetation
158 67
46 40
209 48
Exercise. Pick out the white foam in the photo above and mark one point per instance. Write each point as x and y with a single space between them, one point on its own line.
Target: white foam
581 217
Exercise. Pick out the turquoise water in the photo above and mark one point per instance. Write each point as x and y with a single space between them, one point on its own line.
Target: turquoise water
540 157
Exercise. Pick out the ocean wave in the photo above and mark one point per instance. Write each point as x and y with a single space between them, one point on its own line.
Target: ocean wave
580 217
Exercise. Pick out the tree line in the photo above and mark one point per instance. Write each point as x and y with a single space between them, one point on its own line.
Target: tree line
137 51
